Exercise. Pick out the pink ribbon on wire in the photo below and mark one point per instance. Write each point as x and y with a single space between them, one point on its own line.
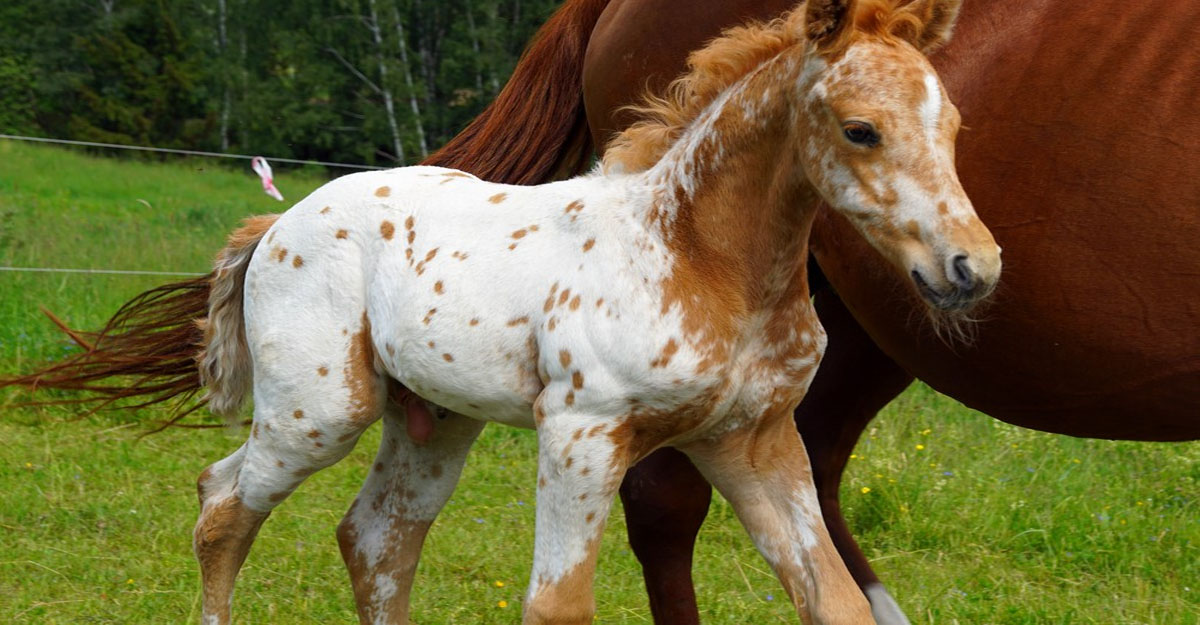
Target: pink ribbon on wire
263 169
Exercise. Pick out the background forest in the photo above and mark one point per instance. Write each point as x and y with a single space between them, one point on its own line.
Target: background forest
360 81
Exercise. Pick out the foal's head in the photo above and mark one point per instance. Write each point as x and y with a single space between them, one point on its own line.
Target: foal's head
878 142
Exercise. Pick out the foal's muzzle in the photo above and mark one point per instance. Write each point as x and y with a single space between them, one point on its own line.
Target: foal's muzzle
960 288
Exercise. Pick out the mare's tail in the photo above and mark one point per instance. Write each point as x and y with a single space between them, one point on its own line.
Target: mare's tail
167 343
170 342
536 129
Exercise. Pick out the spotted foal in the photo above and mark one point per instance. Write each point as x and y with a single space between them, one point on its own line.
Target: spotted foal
661 300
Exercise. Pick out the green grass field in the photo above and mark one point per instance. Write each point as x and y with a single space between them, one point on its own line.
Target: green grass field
968 520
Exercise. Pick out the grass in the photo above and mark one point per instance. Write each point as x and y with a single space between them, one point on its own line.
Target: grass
968 520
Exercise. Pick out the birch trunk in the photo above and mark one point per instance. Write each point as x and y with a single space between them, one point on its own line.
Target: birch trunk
408 81
222 53
389 104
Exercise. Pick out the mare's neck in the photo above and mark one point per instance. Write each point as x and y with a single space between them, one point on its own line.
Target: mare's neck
732 200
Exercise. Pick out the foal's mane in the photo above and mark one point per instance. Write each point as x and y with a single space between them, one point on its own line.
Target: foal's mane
726 59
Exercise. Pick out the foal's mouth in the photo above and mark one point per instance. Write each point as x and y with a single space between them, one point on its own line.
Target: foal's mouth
952 299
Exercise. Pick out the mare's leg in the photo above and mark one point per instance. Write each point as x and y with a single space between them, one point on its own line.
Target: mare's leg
763 471
665 500
382 533
579 469
307 416
854 382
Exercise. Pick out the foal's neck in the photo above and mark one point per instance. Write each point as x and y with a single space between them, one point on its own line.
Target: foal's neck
733 202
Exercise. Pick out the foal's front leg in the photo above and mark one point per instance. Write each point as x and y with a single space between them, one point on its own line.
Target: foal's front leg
764 472
579 470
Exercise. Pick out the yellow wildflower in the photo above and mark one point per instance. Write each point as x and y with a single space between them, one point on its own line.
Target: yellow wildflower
502 604
920 447
499 584
866 489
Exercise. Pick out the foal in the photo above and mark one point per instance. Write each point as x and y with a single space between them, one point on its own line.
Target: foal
660 301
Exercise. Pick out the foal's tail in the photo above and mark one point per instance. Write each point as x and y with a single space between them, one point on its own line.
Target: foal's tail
224 363
166 343
536 129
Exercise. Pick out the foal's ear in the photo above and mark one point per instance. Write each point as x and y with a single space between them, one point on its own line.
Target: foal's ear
826 22
936 20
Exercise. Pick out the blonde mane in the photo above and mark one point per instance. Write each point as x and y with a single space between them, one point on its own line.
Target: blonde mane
715 67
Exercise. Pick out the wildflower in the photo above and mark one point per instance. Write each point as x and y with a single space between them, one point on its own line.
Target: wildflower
1140 503
880 476
926 432
920 447
129 581
502 604
1076 460
499 584
770 597
866 489
852 457
28 465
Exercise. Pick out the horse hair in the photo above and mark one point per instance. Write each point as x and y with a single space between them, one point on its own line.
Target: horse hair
150 343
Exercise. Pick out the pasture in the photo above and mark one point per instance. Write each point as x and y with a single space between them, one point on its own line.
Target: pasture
967 520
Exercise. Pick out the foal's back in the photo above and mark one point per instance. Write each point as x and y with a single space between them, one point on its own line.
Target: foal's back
474 295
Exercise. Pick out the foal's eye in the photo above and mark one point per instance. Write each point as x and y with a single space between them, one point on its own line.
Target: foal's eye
861 133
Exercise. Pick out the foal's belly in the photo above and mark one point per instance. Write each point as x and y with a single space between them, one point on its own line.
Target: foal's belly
471 355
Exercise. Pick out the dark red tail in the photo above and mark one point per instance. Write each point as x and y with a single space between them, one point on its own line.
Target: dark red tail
536 129
146 351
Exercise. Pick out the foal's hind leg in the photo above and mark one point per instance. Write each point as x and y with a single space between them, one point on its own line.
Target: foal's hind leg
382 533
302 424
763 471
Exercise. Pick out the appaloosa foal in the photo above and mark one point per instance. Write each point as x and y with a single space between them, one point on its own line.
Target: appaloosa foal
659 301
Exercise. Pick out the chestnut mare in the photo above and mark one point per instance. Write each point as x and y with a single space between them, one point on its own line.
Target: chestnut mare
1081 155
676 312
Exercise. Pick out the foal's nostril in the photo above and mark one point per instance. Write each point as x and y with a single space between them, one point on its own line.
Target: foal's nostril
962 275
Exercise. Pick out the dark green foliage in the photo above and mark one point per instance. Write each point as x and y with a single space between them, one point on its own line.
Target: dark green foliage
301 79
